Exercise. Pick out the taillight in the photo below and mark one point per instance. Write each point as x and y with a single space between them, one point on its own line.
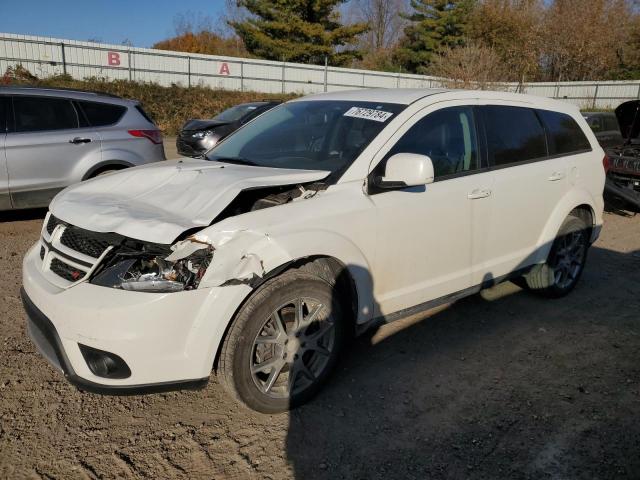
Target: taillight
154 135
606 163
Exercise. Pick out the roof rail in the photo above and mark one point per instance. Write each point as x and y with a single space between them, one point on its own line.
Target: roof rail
59 89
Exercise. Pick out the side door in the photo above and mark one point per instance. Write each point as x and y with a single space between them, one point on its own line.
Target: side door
425 235
528 184
5 198
49 140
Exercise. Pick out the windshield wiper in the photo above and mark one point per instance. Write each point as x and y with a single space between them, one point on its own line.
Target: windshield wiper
236 160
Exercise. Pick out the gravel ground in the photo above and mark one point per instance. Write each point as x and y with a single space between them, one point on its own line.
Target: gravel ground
499 385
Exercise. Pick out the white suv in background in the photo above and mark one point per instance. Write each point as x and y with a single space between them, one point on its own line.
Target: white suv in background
52 138
318 219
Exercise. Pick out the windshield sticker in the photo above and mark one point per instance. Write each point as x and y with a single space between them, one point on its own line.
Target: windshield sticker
368 114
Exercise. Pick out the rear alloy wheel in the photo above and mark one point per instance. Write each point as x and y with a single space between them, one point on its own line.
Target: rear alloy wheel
565 263
283 343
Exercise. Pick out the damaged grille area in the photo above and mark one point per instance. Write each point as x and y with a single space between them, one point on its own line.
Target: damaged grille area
52 224
69 253
84 241
66 271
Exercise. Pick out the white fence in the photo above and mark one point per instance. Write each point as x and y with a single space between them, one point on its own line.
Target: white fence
46 56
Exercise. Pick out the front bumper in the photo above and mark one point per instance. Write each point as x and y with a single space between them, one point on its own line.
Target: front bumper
45 337
189 147
168 340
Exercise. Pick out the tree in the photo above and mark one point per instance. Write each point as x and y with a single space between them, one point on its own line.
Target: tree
384 21
435 25
298 31
195 34
471 66
512 30
585 39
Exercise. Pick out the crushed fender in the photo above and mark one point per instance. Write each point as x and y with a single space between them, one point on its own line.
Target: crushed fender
238 256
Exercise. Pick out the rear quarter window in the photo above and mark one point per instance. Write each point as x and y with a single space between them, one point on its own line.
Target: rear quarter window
514 134
146 116
564 134
102 114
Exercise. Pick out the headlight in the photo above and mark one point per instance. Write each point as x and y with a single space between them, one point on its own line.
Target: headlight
204 134
147 271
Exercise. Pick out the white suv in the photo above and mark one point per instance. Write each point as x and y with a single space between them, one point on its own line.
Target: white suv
318 219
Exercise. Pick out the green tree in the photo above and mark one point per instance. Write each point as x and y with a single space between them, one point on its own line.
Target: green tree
298 31
435 26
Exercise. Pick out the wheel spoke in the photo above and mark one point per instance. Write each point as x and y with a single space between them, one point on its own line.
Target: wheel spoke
275 316
299 315
321 349
312 315
315 337
266 366
273 376
268 340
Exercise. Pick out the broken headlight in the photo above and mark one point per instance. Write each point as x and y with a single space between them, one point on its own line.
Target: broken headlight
144 271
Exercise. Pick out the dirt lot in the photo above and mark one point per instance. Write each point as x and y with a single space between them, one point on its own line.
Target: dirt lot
499 385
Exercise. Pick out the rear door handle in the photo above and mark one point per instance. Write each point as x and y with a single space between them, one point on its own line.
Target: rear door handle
555 176
479 193
78 140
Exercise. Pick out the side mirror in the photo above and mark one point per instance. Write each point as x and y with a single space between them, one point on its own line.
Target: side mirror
407 170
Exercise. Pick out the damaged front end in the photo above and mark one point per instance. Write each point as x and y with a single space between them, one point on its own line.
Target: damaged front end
147 267
204 256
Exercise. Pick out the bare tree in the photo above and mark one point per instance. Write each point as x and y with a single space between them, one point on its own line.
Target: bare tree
385 23
471 66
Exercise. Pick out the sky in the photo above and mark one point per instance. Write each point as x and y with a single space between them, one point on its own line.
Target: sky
143 22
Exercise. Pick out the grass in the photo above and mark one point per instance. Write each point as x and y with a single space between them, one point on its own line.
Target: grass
170 106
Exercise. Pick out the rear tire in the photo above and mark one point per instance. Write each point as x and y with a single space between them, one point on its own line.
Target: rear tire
283 343
561 271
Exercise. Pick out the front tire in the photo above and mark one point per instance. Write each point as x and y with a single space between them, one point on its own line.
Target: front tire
563 268
283 343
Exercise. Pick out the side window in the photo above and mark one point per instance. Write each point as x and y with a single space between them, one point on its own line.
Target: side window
611 123
565 135
447 136
102 114
514 134
595 123
3 114
34 114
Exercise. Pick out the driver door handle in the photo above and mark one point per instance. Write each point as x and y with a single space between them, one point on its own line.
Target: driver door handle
555 176
79 140
479 193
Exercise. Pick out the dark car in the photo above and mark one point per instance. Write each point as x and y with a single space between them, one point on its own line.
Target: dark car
623 166
198 136
605 126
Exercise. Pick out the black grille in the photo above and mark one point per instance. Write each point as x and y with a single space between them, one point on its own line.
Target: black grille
52 224
42 253
66 271
83 241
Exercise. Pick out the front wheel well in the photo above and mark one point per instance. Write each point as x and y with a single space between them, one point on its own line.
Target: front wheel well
329 269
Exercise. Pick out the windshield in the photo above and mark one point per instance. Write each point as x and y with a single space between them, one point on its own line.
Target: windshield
311 135
234 114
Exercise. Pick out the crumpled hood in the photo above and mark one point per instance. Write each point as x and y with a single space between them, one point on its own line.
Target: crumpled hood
159 201
626 114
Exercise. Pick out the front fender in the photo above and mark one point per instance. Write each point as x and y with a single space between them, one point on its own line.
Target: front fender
243 256
246 256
